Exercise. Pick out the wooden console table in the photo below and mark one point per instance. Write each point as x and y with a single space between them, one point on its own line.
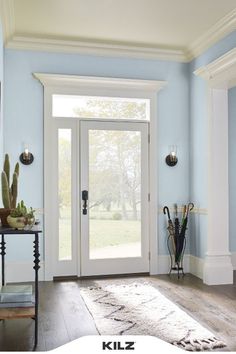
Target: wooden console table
30 311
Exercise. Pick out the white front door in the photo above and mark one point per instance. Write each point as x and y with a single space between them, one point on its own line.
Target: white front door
114 197
106 163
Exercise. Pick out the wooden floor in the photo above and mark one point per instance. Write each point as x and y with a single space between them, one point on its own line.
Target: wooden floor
64 317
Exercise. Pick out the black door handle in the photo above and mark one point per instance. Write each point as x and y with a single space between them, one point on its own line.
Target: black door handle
85 200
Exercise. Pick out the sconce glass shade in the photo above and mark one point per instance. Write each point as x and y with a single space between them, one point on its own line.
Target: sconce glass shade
171 159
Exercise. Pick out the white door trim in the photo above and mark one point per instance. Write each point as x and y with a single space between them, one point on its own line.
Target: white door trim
71 84
220 76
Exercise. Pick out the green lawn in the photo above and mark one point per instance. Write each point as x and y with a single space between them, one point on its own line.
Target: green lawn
102 233
113 232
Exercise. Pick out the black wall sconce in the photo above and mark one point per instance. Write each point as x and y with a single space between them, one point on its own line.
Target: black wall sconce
171 159
26 157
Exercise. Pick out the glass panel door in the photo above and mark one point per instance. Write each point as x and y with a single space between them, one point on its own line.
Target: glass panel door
64 194
114 194
64 204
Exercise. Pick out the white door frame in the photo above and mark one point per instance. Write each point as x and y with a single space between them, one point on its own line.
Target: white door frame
220 76
83 85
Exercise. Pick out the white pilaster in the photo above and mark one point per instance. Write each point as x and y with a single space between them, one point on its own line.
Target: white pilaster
217 266
220 76
218 270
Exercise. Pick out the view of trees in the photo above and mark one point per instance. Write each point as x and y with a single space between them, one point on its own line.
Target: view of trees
114 160
112 109
114 178
64 163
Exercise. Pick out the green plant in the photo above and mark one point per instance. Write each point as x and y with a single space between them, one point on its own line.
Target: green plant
9 193
22 211
30 213
19 211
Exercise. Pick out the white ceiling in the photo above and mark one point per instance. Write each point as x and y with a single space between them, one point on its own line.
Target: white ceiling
165 25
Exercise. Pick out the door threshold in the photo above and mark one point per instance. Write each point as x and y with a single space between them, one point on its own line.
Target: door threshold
107 276
65 278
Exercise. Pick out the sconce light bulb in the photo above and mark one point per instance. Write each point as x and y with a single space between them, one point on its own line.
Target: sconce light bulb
171 159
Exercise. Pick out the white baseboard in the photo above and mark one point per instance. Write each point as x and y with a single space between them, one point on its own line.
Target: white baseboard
192 264
196 266
23 271
233 260
16 272
218 269
164 264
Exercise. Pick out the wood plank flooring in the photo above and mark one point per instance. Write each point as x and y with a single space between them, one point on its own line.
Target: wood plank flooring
64 317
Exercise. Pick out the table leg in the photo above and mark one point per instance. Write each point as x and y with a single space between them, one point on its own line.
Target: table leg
36 268
3 252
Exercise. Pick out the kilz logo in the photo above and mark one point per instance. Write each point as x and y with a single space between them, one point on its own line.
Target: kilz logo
118 346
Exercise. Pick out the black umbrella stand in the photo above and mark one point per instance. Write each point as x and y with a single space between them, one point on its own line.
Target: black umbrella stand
176 240
176 265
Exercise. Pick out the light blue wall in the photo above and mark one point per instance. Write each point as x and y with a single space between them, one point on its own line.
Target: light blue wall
232 168
198 138
182 121
24 119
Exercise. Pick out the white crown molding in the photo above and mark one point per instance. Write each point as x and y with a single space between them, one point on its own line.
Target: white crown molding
13 40
222 28
221 73
74 80
7 17
94 48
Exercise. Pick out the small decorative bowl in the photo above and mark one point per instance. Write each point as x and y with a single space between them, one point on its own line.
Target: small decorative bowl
17 223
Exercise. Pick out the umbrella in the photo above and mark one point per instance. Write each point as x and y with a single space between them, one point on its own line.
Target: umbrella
184 214
170 227
176 237
181 239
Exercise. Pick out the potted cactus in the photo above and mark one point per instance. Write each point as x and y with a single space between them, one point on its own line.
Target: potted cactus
9 191
21 217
